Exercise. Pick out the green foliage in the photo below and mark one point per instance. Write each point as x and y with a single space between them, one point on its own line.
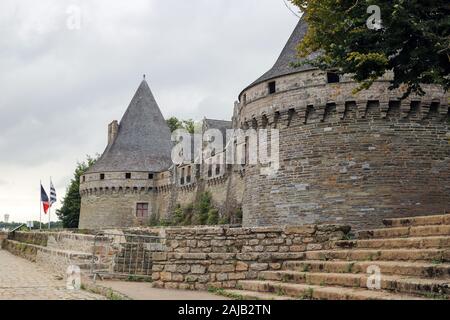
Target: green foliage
202 208
13 225
213 217
413 42
69 213
174 123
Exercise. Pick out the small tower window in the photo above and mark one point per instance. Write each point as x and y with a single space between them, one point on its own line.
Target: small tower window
142 210
272 87
209 171
150 176
217 169
102 176
84 178
332 77
127 175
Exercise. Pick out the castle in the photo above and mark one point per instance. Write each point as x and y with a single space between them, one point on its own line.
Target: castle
345 157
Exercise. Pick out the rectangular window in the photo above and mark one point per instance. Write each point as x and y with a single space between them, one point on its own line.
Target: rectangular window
217 169
332 77
150 176
142 210
210 171
272 87
102 176
127 175
84 178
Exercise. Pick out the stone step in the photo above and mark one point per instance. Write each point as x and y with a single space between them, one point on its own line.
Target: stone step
313 292
253 295
401 268
438 242
403 232
430 255
417 221
407 285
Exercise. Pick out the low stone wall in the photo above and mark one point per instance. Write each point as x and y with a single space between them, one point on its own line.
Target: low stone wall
3 236
199 258
55 251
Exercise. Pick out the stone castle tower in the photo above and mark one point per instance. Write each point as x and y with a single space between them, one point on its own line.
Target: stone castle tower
344 157
119 189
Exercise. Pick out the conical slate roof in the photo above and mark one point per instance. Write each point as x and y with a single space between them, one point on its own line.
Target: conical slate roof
283 66
143 142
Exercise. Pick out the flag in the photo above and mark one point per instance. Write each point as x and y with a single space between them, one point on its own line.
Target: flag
52 194
44 200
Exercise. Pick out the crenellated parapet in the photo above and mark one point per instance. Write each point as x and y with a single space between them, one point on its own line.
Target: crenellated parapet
395 110
116 183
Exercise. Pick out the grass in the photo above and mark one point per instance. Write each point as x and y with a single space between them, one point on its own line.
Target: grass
223 293
307 295
138 279
350 267
438 261
306 268
280 292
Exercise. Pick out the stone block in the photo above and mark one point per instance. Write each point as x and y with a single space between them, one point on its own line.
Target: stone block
259 266
198 269
241 266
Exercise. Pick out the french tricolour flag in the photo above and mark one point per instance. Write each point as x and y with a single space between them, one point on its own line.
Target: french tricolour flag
44 200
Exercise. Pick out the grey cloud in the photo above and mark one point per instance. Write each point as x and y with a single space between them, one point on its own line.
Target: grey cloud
60 88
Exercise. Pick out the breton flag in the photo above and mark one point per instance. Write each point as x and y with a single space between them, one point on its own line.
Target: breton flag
52 194
44 200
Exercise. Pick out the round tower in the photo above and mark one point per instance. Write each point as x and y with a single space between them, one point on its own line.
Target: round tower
118 191
344 157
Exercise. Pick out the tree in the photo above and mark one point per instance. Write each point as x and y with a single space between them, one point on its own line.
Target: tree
69 213
412 40
174 123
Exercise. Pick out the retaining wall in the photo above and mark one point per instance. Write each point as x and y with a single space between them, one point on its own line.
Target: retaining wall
199 258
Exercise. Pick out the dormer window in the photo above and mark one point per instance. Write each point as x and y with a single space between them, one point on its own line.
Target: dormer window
272 87
333 77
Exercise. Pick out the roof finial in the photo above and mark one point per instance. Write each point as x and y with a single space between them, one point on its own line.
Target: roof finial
144 76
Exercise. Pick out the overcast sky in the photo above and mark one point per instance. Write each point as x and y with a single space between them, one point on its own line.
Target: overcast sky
68 68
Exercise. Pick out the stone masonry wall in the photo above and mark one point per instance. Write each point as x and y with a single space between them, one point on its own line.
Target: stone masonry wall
113 208
345 157
199 258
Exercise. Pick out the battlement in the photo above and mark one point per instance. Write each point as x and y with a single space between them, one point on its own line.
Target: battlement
409 110
117 182
309 96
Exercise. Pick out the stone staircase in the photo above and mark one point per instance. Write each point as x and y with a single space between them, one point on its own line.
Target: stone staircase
411 254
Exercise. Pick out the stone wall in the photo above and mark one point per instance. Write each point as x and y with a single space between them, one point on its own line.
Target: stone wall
347 158
54 259
3 236
199 258
114 208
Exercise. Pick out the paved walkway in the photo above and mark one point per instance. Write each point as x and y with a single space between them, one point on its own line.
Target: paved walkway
145 291
24 280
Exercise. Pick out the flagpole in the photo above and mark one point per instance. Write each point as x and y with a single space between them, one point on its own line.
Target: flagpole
40 206
50 201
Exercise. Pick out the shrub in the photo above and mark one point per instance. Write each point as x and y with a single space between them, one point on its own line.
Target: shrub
213 217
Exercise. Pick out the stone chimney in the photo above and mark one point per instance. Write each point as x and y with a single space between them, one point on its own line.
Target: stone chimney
113 130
